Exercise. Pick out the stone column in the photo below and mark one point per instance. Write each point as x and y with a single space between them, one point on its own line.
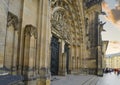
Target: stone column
70 62
14 65
99 62
26 55
62 59
31 66
9 48
69 65
77 59
44 43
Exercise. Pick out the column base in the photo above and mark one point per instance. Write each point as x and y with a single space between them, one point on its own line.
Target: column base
30 82
44 82
75 72
100 72
62 73
45 77
91 71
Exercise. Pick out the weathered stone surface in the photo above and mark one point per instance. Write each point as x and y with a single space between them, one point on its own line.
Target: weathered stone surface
30 10
3 22
26 29
15 6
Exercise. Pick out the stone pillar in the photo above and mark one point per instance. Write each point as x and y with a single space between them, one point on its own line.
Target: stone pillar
77 59
69 61
9 48
26 56
15 54
99 62
80 59
28 69
45 77
62 59
72 63
44 43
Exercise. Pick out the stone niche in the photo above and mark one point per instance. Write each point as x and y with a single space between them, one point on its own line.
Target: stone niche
30 48
11 43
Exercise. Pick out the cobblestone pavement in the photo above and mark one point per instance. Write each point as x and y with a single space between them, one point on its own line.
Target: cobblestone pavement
75 80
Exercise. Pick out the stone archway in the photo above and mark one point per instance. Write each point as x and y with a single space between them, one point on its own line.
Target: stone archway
29 51
11 44
60 25
66 23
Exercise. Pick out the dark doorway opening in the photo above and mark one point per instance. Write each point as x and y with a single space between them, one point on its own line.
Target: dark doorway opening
54 55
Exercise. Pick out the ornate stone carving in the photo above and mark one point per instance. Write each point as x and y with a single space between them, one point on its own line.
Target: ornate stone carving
90 3
59 3
66 34
53 3
60 23
101 24
12 20
66 7
58 20
30 30
64 14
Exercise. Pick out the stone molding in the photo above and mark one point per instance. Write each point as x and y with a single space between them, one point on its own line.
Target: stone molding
12 20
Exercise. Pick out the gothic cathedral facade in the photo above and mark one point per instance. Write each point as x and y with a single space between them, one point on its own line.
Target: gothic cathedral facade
43 38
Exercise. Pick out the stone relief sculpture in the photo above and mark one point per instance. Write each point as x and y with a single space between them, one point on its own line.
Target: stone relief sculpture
60 23
58 20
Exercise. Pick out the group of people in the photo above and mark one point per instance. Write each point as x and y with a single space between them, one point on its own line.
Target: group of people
109 70
117 71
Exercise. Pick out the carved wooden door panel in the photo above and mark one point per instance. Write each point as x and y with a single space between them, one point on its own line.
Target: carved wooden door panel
54 55
67 57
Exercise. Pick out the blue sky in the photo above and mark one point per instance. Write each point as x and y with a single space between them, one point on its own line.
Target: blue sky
112 31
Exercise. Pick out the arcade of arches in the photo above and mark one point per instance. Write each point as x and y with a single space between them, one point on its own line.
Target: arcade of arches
43 38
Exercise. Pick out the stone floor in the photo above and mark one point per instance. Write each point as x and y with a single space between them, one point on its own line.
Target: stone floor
107 79
75 80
